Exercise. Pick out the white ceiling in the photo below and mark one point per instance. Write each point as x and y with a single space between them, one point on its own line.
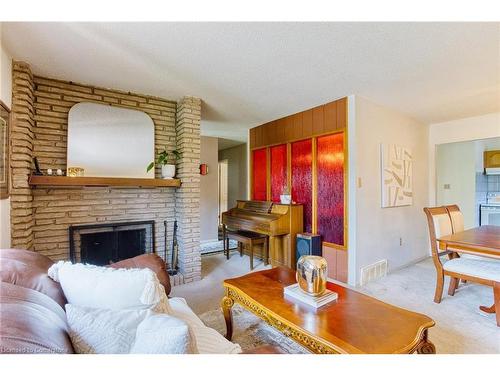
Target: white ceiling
250 73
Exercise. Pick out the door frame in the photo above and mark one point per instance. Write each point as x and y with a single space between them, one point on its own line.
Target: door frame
223 184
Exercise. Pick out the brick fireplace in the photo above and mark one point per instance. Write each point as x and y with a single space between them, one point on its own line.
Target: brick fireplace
41 216
105 243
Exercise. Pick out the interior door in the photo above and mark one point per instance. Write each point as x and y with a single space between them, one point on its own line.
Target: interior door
223 187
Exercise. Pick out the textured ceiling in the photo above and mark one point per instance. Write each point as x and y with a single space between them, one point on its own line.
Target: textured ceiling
250 73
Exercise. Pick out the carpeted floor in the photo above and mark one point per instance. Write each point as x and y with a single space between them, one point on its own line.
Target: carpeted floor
216 246
205 295
460 326
251 332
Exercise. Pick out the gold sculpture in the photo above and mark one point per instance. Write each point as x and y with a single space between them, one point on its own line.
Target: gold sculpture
75 172
311 274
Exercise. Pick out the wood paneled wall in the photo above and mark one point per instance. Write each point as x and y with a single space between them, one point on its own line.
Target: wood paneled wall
324 119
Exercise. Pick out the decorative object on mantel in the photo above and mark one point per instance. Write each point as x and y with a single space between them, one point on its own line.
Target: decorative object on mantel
37 171
4 158
60 172
49 172
75 172
167 170
396 175
286 197
203 169
311 274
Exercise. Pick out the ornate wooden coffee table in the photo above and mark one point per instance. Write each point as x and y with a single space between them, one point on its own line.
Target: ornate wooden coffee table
355 323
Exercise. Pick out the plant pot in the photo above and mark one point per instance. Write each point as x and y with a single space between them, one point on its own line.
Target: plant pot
286 199
168 171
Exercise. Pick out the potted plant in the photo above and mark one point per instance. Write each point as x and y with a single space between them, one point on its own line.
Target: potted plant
286 197
167 169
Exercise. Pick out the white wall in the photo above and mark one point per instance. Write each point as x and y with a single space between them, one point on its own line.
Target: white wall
6 97
209 189
456 167
352 273
379 230
467 129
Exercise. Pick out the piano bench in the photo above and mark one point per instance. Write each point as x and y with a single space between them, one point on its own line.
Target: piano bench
249 240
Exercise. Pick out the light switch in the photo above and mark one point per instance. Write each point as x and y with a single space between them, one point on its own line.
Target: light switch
446 186
359 182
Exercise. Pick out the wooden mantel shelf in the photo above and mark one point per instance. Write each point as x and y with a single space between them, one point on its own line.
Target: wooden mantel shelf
102 181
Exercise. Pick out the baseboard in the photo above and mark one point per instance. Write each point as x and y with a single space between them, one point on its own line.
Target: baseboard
408 264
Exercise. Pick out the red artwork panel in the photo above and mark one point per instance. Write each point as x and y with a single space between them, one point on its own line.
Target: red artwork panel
259 182
278 172
330 174
302 178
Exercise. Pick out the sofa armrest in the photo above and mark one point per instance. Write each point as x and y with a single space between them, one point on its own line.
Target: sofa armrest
264 349
151 261
29 269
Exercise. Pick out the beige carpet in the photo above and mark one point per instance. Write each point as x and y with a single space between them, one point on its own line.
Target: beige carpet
205 295
460 326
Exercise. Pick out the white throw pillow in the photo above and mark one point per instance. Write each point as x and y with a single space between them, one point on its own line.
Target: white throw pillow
103 331
208 340
110 288
164 334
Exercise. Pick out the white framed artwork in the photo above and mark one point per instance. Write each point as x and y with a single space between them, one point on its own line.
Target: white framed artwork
397 175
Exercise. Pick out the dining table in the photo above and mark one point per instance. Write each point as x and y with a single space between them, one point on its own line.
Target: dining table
482 241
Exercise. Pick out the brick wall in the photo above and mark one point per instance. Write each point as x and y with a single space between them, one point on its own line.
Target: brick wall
187 203
50 211
21 148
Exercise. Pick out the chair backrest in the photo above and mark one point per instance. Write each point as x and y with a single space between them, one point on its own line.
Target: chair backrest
439 223
457 218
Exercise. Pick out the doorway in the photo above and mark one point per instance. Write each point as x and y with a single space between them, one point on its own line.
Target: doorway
223 188
461 179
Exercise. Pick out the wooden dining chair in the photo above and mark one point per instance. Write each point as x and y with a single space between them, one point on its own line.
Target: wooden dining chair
457 225
457 218
480 271
439 223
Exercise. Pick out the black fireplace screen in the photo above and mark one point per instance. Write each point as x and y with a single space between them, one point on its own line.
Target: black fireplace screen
102 244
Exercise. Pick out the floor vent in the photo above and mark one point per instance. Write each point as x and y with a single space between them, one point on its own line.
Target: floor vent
373 271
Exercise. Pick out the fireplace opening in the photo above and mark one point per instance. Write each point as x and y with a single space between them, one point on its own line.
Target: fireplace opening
102 244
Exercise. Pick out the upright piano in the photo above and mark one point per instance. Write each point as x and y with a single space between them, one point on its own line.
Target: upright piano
281 222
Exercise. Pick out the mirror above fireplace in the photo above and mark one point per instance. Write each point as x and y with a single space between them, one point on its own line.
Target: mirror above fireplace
108 141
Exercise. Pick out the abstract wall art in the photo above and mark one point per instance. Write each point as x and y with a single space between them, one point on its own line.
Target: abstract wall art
397 175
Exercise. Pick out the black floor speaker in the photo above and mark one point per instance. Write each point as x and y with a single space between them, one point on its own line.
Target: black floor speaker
308 244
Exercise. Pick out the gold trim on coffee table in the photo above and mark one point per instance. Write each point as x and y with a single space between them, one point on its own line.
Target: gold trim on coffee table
420 344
